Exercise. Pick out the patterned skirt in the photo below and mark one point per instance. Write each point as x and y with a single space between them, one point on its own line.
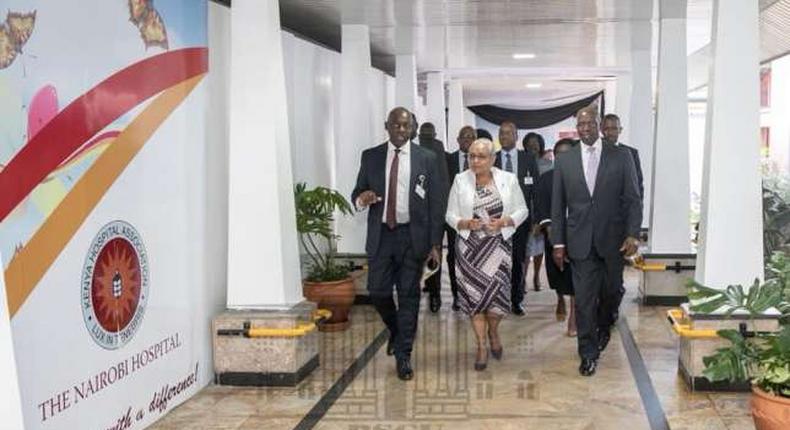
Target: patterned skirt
483 262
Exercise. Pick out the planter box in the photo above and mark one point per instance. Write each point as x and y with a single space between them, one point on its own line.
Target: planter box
264 361
666 287
693 350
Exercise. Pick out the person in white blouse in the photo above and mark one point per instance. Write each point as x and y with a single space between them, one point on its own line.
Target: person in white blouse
485 206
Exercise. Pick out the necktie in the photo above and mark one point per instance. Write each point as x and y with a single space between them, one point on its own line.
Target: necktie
466 162
392 192
592 168
508 163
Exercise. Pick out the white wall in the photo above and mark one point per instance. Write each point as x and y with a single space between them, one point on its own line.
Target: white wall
309 71
312 75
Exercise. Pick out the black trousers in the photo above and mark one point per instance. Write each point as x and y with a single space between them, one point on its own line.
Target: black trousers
597 297
612 297
395 265
517 284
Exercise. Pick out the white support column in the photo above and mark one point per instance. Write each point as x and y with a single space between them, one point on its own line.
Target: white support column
263 256
456 118
354 130
436 111
669 223
406 82
11 406
731 230
640 120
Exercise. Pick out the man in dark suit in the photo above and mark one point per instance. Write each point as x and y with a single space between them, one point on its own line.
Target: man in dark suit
525 166
400 184
596 215
428 140
610 131
457 162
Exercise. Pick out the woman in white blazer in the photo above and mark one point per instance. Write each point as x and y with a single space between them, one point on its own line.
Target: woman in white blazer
485 206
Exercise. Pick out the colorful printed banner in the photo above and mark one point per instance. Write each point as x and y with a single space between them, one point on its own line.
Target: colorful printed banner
100 145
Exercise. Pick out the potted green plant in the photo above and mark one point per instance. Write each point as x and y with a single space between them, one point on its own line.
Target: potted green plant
327 283
761 358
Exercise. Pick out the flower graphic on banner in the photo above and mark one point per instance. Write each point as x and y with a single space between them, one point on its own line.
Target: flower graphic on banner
148 20
116 285
14 33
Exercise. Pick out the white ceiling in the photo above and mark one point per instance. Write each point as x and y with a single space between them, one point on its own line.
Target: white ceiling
579 45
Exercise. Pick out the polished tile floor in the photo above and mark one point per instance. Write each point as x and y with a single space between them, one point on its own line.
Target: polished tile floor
536 385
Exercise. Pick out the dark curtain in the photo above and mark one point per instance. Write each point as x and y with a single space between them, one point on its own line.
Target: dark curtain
530 119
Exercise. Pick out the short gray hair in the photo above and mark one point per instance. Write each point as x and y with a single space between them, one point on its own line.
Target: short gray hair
487 143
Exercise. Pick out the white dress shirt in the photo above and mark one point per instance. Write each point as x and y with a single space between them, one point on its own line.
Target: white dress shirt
513 159
404 176
461 157
598 145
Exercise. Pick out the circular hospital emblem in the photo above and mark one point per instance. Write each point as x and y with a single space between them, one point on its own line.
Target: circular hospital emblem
114 287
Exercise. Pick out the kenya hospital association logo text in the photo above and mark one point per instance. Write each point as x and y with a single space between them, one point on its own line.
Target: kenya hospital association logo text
114 288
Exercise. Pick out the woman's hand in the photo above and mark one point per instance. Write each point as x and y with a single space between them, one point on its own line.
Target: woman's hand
496 224
470 224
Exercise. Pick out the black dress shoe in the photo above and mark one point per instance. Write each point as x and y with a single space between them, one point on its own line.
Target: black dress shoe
435 303
404 369
587 368
519 310
456 306
603 338
391 346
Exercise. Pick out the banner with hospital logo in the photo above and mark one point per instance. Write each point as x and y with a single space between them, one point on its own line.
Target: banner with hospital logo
101 150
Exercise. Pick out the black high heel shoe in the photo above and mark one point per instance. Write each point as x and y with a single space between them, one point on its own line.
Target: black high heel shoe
480 366
497 353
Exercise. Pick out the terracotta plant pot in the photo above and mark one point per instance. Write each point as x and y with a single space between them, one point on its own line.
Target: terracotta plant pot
770 412
337 297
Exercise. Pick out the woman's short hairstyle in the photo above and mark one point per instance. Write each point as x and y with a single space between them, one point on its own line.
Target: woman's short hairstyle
487 143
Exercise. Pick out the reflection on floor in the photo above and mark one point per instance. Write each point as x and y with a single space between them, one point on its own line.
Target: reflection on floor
536 385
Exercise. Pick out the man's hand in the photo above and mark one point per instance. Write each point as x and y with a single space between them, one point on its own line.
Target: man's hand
558 254
367 198
630 246
435 255
470 224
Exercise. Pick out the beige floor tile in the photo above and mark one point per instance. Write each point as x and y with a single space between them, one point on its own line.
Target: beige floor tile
536 385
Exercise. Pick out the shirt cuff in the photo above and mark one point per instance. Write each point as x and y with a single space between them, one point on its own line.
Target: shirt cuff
560 245
545 221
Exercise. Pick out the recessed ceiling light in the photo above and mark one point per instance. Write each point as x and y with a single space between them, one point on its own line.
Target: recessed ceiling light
534 85
523 56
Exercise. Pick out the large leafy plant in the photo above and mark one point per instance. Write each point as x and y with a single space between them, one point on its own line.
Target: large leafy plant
315 210
776 214
760 357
